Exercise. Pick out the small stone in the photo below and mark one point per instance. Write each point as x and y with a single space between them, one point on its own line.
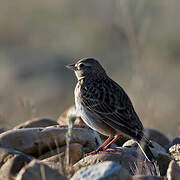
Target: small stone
107 170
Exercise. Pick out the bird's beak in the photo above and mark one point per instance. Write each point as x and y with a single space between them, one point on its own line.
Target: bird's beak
71 66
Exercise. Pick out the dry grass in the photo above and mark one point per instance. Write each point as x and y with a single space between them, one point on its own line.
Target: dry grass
68 139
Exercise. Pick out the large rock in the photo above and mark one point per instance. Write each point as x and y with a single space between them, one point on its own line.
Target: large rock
129 159
37 122
37 171
37 141
107 170
11 162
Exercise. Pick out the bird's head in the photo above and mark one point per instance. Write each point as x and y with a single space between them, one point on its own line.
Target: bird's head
87 67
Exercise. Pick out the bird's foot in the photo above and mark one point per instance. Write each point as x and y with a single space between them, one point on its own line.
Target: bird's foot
102 150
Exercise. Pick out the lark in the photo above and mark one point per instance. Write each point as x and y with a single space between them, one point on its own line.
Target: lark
104 105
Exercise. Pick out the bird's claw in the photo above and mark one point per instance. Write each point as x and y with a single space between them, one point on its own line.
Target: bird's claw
102 150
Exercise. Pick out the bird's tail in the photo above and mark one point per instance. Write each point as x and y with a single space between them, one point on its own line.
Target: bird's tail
148 153
149 156
146 149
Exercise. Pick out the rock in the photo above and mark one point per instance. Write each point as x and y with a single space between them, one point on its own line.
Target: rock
37 141
37 171
106 170
156 136
11 162
7 153
144 177
12 166
129 159
174 149
70 114
173 172
37 122
162 158
75 154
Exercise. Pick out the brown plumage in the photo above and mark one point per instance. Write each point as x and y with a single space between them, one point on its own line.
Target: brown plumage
104 105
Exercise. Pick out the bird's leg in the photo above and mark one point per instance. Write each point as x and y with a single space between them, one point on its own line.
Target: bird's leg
101 148
115 139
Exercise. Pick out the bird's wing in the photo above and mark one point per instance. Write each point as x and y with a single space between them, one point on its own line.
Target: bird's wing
113 105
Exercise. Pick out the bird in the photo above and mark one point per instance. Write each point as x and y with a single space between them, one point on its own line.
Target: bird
105 107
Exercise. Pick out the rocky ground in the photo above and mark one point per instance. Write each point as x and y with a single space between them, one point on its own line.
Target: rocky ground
45 149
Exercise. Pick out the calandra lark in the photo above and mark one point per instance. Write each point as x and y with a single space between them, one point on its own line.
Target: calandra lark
104 106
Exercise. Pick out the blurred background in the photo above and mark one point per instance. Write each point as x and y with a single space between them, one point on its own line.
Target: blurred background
138 43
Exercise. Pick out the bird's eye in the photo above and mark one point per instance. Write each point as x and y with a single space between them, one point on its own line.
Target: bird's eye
81 65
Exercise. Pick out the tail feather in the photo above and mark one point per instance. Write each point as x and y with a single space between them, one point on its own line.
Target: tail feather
149 154
146 149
